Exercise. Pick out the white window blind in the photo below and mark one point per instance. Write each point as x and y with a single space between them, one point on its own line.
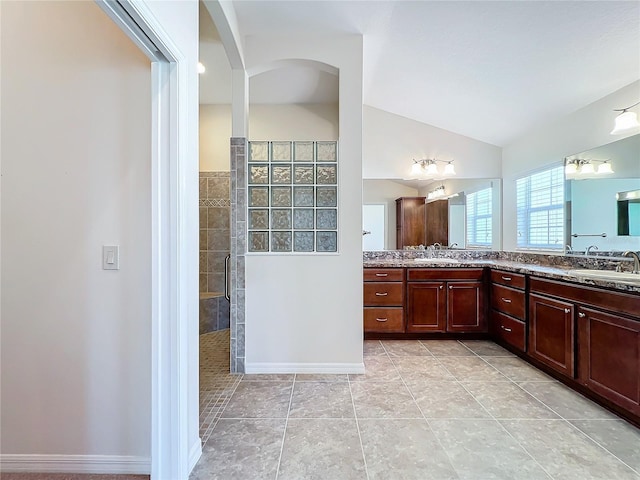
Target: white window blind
479 218
540 206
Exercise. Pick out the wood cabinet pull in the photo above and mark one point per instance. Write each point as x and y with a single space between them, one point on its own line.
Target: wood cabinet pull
567 310
505 328
378 294
450 287
506 300
582 315
382 274
506 279
381 319
441 287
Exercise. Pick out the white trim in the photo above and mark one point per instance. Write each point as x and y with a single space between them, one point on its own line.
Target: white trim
113 464
195 453
354 368
171 456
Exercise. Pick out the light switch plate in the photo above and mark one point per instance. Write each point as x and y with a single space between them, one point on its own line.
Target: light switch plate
110 257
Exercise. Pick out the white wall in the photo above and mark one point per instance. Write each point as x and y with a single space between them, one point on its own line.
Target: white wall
76 350
549 144
391 142
266 122
305 311
386 192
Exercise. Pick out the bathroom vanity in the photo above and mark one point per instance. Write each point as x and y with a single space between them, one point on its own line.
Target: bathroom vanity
585 332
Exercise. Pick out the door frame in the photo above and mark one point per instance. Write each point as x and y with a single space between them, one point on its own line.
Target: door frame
172 354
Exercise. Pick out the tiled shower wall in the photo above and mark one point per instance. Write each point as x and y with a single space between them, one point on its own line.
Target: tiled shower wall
215 231
238 249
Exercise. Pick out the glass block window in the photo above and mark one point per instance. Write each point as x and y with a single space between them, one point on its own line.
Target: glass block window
540 206
293 197
478 213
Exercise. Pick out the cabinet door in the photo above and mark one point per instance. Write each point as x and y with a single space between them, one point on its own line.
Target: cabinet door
551 333
426 307
609 357
465 307
410 221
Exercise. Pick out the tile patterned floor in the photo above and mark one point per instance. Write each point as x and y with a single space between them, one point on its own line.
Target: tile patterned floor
216 383
423 410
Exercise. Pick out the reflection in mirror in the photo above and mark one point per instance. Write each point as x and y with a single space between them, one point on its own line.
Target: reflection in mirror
471 224
599 210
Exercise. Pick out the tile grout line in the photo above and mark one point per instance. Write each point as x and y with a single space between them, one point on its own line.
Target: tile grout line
491 416
355 416
286 422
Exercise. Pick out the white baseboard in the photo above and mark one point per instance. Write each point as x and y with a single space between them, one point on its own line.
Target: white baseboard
195 453
113 464
250 367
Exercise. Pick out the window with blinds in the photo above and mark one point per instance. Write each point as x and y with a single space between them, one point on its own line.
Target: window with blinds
478 212
540 206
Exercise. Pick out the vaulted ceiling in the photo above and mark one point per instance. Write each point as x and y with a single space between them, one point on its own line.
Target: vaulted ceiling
490 70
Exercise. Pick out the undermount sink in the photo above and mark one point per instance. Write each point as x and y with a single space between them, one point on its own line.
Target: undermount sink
609 275
436 260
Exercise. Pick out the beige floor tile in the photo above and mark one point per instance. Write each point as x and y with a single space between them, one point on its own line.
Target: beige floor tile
447 348
487 348
377 369
518 370
406 449
566 452
507 400
259 400
445 400
421 368
321 377
405 348
321 400
373 348
383 400
471 369
322 449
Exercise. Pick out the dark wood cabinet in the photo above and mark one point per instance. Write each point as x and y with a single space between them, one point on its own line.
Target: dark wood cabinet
551 333
410 222
441 300
426 307
383 293
609 356
437 213
508 317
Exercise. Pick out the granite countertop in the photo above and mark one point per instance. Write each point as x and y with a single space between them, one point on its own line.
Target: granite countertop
554 272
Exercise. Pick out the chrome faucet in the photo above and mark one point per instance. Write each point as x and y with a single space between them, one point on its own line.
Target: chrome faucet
454 244
636 260
590 247
568 249
437 246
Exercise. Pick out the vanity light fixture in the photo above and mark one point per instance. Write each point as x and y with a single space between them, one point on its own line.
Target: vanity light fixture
201 68
428 168
587 167
625 121
437 193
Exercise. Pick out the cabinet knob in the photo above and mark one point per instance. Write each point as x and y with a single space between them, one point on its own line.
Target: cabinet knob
381 319
506 300
567 310
378 294
505 328
441 287
582 315
450 287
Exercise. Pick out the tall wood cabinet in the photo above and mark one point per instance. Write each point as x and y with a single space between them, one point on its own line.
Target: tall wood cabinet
411 225
437 213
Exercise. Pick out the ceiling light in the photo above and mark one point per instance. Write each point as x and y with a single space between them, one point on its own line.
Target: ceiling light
626 121
571 168
449 169
587 168
201 68
604 168
428 167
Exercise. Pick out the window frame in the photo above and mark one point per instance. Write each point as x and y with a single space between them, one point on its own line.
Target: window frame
476 217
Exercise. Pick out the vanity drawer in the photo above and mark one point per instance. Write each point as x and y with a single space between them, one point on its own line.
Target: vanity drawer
384 320
383 274
428 273
514 280
508 300
509 329
382 293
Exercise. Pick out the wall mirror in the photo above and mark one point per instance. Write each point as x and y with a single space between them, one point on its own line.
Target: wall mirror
603 202
474 210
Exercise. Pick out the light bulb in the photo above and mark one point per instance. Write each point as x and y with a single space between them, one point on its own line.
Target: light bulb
201 68
571 168
587 168
416 169
625 122
432 168
449 169
604 168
